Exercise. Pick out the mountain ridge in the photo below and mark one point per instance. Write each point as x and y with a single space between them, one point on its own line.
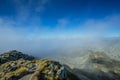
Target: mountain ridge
92 66
39 69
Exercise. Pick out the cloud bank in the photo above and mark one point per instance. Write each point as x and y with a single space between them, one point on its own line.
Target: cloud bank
19 38
107 26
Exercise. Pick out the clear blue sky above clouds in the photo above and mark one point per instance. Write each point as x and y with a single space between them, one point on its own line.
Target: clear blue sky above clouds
47 18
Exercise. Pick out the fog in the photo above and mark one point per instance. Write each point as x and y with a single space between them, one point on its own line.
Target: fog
40 47
33 41
43 46
11 39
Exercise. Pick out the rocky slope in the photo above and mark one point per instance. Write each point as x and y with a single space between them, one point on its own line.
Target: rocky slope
18 66
92 66
97 66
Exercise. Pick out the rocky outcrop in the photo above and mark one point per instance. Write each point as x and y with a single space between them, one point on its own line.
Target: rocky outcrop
37 69
28 68
14 55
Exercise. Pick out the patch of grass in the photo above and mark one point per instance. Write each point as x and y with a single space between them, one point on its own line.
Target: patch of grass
21 71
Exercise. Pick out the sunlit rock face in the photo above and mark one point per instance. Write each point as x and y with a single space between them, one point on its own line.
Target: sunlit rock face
25 67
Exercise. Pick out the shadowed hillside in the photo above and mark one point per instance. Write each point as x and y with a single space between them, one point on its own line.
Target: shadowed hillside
96 66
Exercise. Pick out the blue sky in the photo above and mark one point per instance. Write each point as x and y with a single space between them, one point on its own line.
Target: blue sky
48 25
62 17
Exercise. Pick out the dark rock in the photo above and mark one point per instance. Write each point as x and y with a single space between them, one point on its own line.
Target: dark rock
14 55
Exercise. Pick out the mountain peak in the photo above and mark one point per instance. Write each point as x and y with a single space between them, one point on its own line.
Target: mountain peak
15 65
14 55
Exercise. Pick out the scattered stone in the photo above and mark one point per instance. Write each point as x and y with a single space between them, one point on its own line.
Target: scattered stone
18 66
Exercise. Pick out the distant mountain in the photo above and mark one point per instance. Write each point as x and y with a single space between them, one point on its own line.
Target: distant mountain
96 66
76 48
112 47
18 66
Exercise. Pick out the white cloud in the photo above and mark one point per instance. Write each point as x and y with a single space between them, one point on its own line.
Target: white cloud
101 26
25 9
12 37
19 38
